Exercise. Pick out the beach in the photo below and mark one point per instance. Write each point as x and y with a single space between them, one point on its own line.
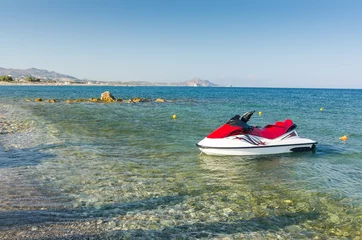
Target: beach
131 171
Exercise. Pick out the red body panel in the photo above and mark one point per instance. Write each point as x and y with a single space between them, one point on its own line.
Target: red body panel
270 131
225 131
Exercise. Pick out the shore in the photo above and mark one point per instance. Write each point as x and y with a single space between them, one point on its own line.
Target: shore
55 84
29 209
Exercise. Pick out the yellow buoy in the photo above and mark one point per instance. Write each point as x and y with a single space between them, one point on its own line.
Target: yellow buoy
260 113
321 109
343 138
174 116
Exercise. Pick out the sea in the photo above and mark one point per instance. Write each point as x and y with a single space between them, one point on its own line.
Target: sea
123 170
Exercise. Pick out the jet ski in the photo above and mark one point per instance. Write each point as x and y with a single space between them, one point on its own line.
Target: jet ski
236 137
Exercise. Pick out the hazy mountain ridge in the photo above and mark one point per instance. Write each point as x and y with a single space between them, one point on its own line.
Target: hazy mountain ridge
34 72
54 76
197 82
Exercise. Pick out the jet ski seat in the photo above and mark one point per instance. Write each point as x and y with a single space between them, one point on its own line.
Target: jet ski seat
275 130
270 131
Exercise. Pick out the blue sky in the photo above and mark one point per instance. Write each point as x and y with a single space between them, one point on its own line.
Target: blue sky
260 43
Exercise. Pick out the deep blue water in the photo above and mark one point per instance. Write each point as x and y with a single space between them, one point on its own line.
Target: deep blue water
138 171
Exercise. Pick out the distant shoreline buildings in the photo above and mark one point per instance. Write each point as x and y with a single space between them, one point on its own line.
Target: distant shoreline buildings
41 76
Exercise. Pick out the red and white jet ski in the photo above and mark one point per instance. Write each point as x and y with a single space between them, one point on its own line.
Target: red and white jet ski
236 137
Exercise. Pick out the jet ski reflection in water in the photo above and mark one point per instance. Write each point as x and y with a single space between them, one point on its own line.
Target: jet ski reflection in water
236 137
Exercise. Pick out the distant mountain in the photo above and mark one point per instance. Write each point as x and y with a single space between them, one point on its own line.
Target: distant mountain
46 75
38 73
197 82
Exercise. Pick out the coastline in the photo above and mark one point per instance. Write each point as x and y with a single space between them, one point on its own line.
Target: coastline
140 85
54 84
17 201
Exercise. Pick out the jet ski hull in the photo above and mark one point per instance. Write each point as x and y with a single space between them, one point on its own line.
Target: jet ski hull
266 150
253 145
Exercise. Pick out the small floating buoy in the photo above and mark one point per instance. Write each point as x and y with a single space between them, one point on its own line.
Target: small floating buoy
260 113
174 116
321 109
344 138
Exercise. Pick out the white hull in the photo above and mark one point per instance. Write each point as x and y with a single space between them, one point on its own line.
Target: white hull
253 145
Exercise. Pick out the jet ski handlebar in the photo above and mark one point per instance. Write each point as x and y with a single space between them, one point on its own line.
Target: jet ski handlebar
242 122
246 116
236 120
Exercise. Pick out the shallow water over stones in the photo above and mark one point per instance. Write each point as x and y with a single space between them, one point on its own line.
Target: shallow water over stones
122 171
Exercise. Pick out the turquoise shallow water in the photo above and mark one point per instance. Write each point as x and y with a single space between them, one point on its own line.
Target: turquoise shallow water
131 171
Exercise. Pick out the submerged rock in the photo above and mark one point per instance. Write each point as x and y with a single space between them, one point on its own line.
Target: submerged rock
137 99
107 97
160 100
71 101
95 100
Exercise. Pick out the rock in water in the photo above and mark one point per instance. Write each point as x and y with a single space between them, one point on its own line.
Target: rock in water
95 100
107 97
160 100
137 99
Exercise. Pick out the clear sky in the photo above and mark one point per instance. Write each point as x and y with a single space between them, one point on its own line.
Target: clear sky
261 43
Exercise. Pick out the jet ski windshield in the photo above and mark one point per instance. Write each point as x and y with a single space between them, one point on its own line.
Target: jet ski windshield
237 122
246 117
